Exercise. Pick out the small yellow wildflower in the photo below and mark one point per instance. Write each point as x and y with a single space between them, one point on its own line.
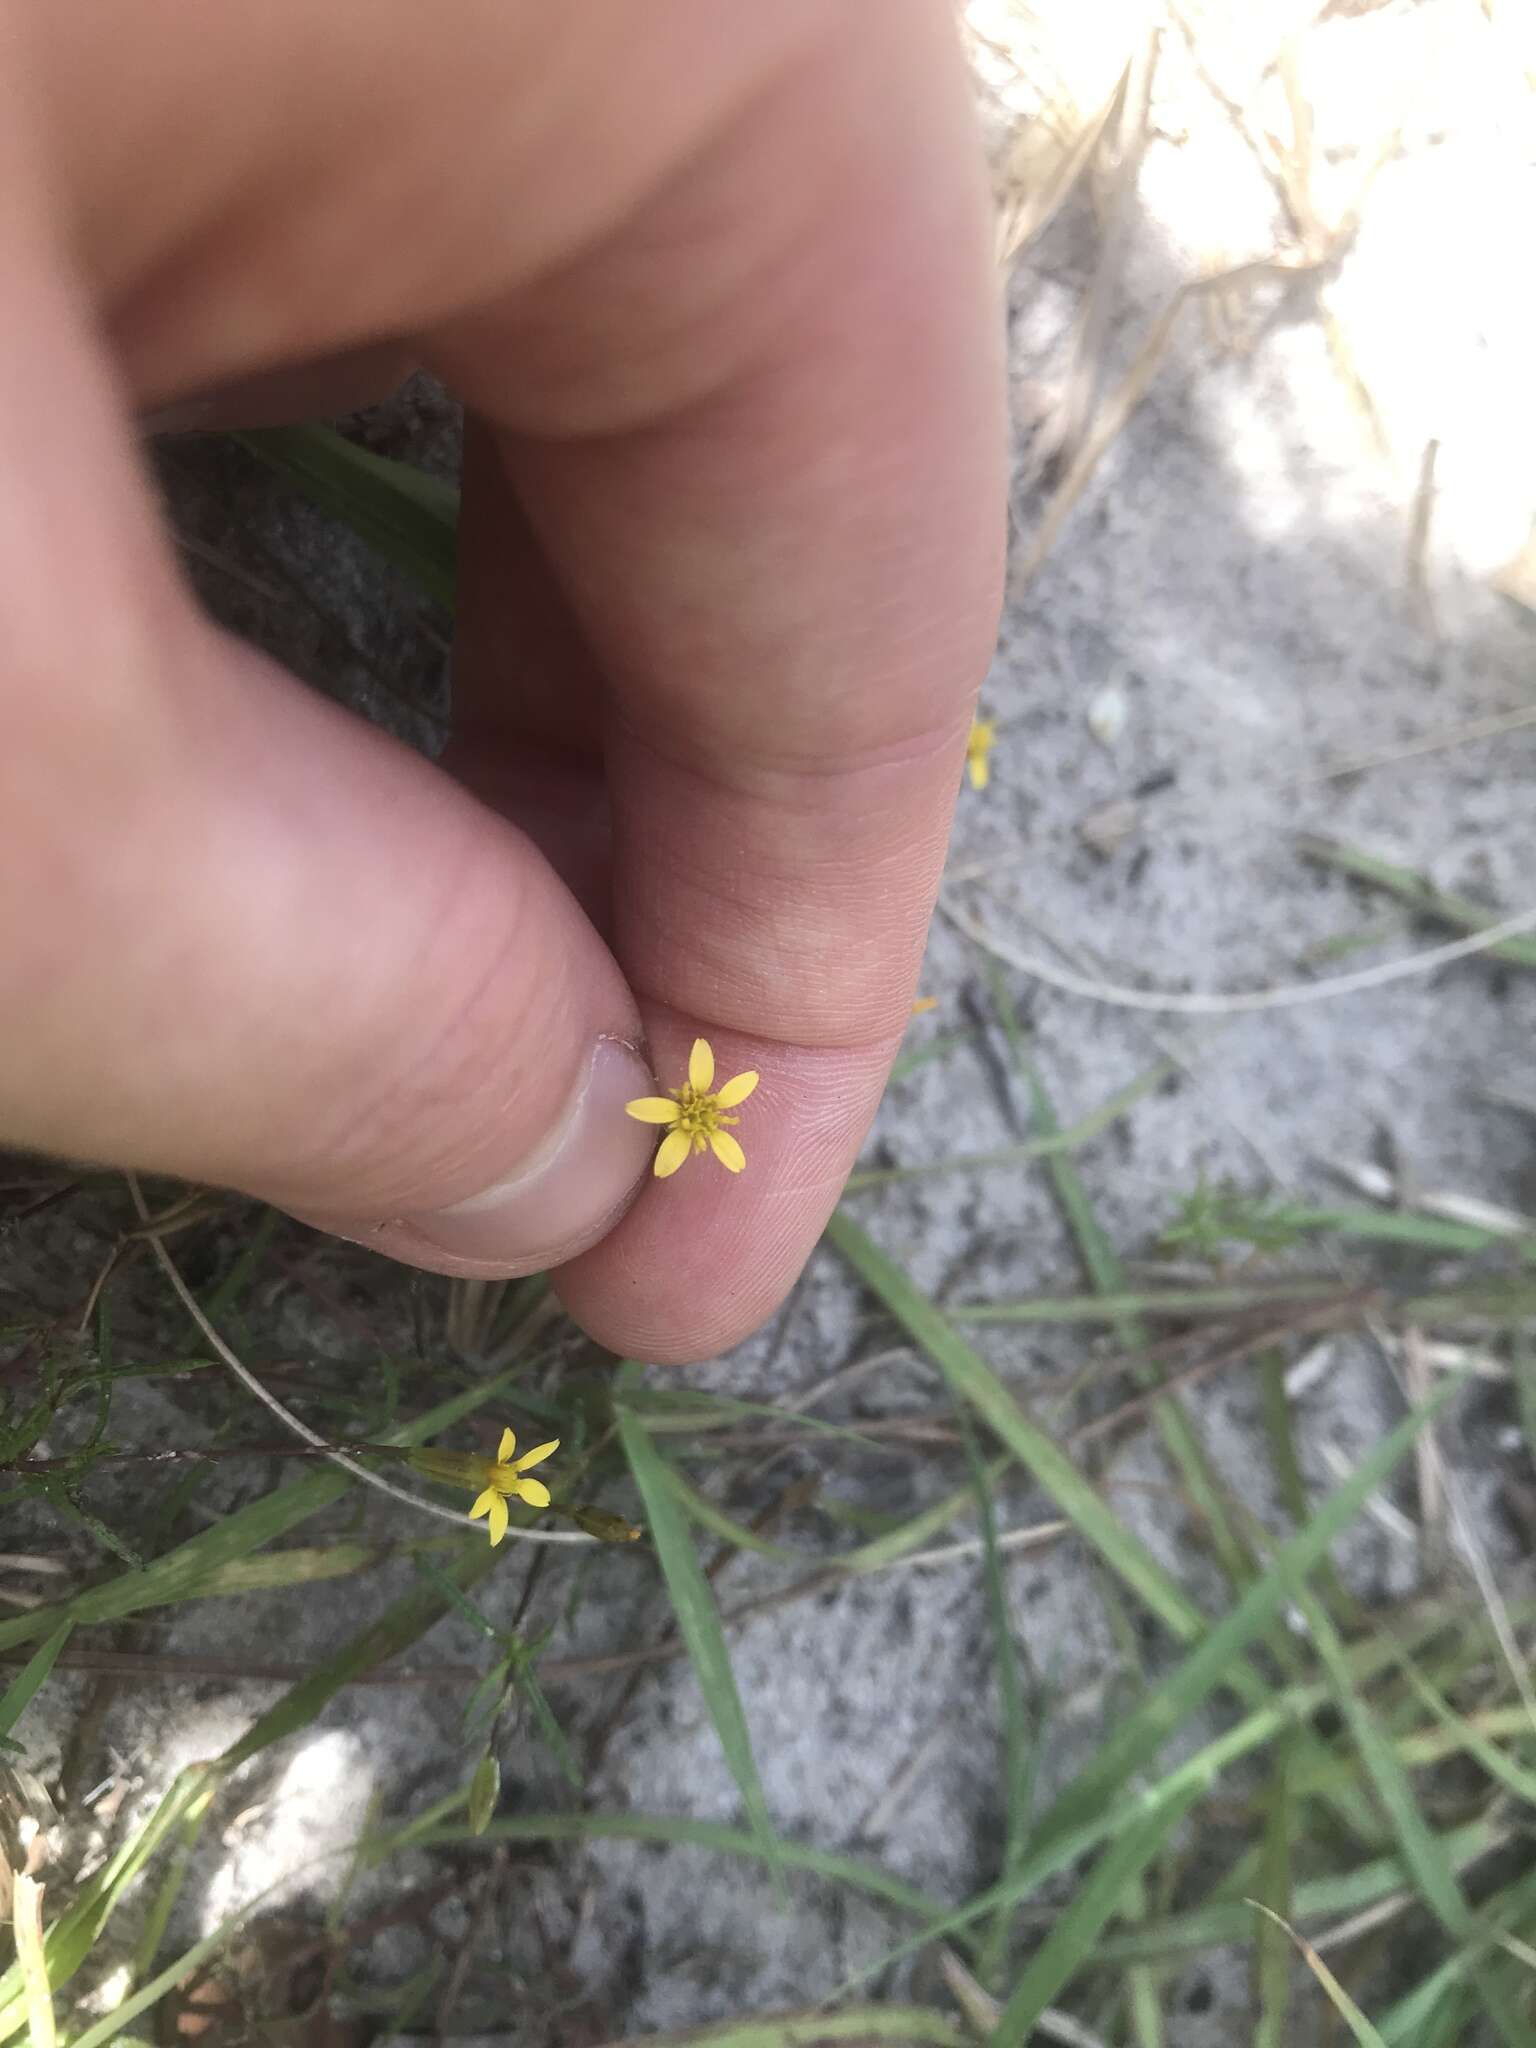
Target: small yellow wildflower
505 1477
980 744
695 1114
924 1004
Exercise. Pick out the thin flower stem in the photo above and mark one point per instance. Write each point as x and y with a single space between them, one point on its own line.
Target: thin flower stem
290 1421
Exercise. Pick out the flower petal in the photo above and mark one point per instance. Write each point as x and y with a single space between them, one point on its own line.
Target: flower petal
727 1151
498 1520
979 769
485 1504
652 1109
673 1151
534 1491
508 1446
736 1090
701 1066
537 1455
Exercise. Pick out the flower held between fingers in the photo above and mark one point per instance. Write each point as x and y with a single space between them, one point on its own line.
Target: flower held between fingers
694 1114
506 1476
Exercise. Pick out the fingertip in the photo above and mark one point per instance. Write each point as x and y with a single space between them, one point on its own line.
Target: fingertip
708 1253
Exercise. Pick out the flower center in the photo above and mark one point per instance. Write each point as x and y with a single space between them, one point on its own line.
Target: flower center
699 1113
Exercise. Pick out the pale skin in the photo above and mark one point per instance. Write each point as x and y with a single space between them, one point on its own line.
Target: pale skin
715 285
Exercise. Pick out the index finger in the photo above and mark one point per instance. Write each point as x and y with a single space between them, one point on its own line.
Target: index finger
761 439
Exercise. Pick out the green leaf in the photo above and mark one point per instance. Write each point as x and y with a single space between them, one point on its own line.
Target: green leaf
410 517
484 1794
28 1681
526 1676
698 1619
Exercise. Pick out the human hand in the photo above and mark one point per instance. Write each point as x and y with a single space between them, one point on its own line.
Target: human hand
715 285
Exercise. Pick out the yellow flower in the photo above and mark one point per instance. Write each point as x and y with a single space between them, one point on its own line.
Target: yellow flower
505 1477
977 748
924 1004
695 1115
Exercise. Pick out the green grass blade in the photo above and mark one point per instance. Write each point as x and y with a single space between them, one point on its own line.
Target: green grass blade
1112 1309
1102 1264
973 1380
1218 1660
1422 1851
1420 1848
71 1938
1019 1749
1053 1144
939 1048
24 1687
1289 1483
1359 2026
698 1619
225 1297
1046 1860
968 1374
865 2026
1397 1226
1210 1926
684 1413
411 518
880 1551
1143 1998
1346 1892
691 1834
148 1995
31 1961
167 1892
181 1572
401 1624
174 1576
1209 1665
1334 1897
1272 1956
1416 890
1514 1777
1069 1947
726 1527
1436 2012
548 1725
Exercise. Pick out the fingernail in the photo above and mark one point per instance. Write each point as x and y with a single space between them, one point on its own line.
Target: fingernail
564 1198
182 418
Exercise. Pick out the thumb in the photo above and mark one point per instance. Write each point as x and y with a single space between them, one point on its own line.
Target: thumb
243 937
